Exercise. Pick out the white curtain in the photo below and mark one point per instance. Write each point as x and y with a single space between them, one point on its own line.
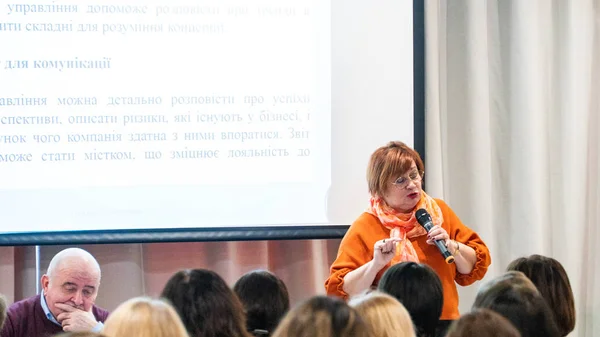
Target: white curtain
512 132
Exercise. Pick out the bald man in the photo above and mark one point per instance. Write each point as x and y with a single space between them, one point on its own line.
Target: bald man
69 290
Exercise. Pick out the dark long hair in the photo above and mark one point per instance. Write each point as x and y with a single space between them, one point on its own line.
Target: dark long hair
552 281
206 305
419 289
265 299
522 305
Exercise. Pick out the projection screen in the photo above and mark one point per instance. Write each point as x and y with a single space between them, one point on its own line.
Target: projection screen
156 121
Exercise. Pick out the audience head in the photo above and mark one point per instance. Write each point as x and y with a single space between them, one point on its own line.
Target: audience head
419 289
207 306
520 303
2 310
552 282
144 317
73 279
265 299
322 316
482 323
384 315
513 277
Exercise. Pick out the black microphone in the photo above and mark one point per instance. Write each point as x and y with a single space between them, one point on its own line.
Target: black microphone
424 220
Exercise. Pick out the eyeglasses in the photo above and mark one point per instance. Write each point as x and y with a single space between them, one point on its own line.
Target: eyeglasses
413 176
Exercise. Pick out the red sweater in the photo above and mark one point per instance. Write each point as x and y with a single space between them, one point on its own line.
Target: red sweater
26 318
356 249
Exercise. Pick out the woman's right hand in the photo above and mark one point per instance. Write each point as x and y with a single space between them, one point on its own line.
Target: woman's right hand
384 251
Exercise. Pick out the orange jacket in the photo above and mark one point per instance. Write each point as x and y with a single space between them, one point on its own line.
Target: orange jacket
356 249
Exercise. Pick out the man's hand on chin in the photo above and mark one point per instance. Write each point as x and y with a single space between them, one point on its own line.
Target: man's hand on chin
73 319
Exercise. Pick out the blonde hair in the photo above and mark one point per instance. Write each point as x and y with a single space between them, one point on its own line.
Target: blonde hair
144 317
322 316
384 315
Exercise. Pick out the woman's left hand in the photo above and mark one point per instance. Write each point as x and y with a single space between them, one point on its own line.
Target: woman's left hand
437 233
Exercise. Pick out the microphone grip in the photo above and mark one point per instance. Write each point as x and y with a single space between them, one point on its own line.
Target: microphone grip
445 253
424 219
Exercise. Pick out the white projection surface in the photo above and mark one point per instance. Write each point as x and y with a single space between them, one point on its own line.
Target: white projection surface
186 114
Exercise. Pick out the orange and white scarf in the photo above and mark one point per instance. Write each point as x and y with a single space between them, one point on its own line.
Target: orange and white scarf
405 225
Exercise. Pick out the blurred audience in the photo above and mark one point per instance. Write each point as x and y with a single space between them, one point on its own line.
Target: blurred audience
532 299
322 316
265 299
551 280
482 323
419 289
513 296
384 315
206 305
144 317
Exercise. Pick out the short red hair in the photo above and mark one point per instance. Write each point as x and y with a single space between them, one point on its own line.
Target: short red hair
388 163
